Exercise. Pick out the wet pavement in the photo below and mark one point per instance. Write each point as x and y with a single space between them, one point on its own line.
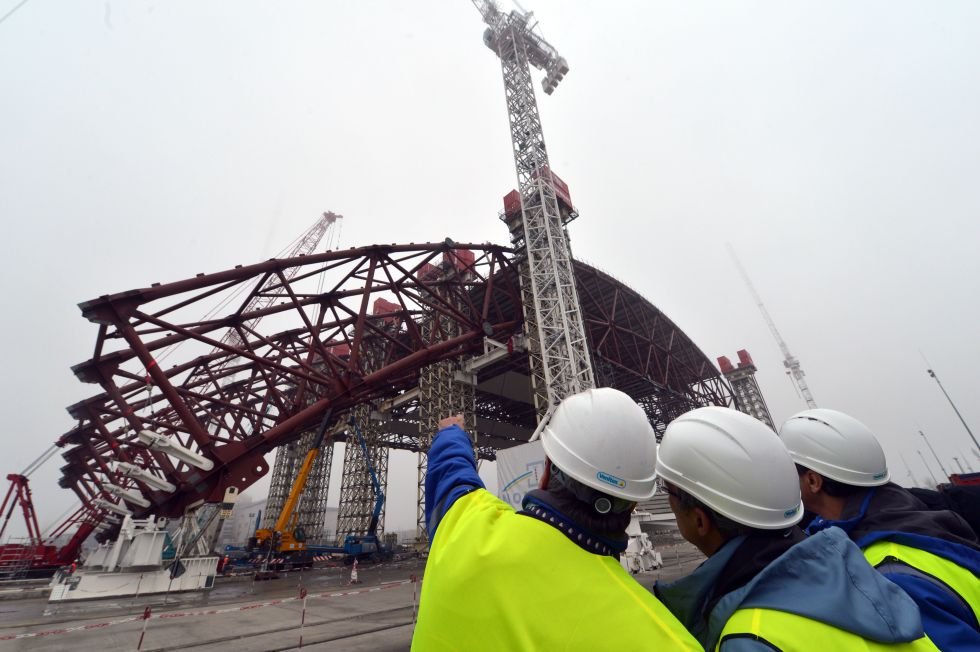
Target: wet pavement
371 615
227 590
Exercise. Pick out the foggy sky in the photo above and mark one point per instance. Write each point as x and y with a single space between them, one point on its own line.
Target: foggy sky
835 145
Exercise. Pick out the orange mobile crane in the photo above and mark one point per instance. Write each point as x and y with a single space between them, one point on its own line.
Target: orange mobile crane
288 541
285 537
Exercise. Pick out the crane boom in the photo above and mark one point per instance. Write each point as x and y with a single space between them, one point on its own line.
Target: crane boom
306 244
560 362
19 493
488 9
379 495
789 360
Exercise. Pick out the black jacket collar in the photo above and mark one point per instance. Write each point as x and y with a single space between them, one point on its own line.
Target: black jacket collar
600 534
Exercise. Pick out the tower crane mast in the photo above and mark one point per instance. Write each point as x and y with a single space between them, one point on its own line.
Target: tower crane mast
560 362
792 365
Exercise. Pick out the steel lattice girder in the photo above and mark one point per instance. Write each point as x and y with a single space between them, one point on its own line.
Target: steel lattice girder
233 404
246 400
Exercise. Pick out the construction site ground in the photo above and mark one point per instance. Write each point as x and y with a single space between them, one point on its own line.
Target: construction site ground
376 614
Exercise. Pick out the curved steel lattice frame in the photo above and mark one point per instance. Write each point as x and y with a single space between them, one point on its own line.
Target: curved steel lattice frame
643 353
235 404
274 388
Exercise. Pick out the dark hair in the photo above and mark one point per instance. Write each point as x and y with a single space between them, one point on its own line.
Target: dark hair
832 487
728 528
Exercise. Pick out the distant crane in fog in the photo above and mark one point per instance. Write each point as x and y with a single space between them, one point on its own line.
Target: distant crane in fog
932 374
792 365
908 469
922 457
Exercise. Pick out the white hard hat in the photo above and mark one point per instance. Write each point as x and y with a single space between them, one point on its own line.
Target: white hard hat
602 438
836 446
734 464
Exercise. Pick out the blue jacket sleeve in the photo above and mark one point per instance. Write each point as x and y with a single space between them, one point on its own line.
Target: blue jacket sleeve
451 474
944 619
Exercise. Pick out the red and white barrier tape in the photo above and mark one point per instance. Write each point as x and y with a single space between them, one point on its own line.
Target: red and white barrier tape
205 612
283 560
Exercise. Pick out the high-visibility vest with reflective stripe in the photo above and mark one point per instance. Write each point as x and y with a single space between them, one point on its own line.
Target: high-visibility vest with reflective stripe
496 580
957 578
788 632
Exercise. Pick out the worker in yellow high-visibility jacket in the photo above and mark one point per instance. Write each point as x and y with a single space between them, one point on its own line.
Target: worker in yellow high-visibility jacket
933 555
765 586
547 577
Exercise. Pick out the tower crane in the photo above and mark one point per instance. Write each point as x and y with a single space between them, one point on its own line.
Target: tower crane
792 365
560 362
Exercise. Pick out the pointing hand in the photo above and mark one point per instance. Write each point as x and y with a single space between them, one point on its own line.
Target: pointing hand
454 420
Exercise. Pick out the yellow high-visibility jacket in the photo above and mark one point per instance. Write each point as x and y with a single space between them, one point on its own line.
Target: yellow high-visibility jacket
497 580
785 631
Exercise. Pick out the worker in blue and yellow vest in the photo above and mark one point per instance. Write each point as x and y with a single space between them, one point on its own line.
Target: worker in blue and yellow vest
932 554
766 586
547 577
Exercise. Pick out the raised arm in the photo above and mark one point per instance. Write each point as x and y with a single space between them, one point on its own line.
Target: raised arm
451 473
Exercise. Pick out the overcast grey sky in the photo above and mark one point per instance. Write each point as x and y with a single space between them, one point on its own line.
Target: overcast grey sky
836 145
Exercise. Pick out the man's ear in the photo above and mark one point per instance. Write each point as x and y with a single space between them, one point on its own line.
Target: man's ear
812 482
702 522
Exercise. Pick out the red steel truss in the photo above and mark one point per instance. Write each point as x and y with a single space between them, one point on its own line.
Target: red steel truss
233 404
232 400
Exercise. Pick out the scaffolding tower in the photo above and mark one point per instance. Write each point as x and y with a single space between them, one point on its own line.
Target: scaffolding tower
357 495
444 388
312 508
748 394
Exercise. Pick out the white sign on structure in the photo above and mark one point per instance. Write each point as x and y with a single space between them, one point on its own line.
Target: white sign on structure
519 469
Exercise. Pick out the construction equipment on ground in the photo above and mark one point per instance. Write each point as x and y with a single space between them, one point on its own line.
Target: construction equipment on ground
367 546
286 546
37 555
965 479
285 537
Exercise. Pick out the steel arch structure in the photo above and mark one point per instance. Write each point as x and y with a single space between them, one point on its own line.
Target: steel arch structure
233 404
